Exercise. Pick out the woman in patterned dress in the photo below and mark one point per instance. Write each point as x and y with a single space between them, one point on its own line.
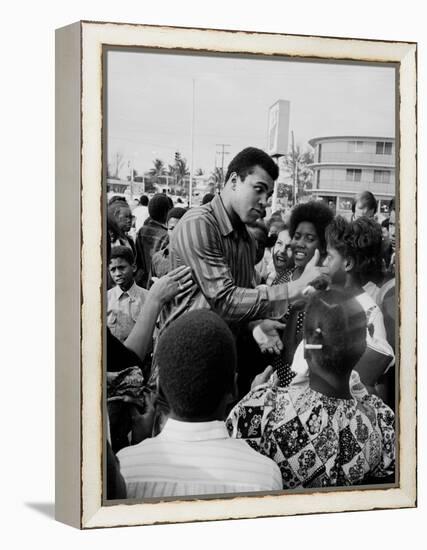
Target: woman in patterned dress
320 435
307 226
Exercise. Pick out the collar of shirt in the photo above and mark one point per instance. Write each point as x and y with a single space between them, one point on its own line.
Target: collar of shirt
224 222
131 292
194 431
150 221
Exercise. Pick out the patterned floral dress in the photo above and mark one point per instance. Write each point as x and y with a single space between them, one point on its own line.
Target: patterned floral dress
317 441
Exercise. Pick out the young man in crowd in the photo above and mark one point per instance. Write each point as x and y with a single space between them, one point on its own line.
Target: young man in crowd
193 454
319 434
214 242
160 262
152 236
126 299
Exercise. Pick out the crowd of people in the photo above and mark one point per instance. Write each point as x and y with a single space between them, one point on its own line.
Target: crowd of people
247 353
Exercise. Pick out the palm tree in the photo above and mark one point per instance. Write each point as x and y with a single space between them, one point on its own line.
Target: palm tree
158 170
297 163
181 171
217 178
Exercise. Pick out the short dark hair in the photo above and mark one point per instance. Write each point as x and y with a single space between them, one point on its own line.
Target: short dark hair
360 240
143 200
123 252
196 356
117 198
367 199
159 206
176 212
316 212
245 161
207 198
335 320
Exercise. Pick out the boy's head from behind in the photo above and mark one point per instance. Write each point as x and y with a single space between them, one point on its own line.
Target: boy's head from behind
354 250
334 331
197 360
122 266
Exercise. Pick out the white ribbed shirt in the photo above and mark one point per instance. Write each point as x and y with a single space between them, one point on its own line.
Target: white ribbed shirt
195 458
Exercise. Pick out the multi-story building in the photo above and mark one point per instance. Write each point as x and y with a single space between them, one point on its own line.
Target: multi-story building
344 166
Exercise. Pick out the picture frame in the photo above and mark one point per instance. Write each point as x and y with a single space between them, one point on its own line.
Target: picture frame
80 166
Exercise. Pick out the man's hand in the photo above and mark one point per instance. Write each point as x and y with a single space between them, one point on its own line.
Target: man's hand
311 272
264 377
267 337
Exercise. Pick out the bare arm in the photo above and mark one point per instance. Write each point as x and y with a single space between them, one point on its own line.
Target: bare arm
163 290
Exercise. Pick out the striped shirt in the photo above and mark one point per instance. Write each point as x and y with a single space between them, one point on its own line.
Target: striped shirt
222 260
195 458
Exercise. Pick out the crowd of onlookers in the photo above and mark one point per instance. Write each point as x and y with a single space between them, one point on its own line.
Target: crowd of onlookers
247 353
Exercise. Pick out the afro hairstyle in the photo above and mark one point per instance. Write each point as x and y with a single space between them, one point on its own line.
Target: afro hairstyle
196 356
316 212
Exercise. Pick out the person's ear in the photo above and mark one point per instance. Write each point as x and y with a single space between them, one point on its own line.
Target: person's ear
349 264
134 268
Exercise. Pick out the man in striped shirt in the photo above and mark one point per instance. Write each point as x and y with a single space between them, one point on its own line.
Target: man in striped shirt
212 239
194 454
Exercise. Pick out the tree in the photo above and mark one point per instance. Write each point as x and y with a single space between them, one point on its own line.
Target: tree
297 164
114 167
179 171
217 178
158 169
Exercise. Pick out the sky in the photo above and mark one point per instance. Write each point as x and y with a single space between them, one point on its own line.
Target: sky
150 104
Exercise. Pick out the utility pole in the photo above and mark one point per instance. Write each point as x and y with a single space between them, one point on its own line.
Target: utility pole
223 152
295 168
131 178
190 185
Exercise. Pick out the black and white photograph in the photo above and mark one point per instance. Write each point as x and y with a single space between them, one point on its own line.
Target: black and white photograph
250 281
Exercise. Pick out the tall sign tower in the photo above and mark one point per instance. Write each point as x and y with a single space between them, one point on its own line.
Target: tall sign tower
278 135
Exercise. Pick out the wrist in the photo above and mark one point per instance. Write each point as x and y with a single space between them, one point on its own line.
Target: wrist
295 289
154 301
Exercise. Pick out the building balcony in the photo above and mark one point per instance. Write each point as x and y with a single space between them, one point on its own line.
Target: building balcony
355 187
351 158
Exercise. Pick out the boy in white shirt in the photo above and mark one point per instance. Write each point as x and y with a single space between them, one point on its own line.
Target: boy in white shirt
125 300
